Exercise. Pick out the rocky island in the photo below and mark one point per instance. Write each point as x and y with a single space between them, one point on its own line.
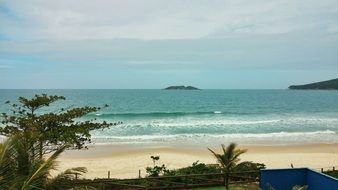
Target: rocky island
323 85
181 88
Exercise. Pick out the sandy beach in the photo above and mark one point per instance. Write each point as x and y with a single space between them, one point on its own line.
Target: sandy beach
125 161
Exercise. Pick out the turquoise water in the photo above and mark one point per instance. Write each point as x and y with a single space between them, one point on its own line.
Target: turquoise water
206 116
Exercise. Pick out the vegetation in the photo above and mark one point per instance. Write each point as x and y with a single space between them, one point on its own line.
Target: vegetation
324 85
156 170
48 132
36 138
251 167
231 187
228 160
19 171
181 88
332 173
195 168
32 134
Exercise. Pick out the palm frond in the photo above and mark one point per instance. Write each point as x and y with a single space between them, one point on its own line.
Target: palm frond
42 170
218 157
6 164
65 178
229 150
236 154
230 156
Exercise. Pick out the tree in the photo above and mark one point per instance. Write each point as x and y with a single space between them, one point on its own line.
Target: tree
17 171
155 158
156 170
228 160
45 132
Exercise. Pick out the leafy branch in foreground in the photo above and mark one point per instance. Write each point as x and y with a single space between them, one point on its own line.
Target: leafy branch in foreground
46 132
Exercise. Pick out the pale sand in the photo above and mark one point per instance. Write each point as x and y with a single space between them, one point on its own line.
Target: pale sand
124 161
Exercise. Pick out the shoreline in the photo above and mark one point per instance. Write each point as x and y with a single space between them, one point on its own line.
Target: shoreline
124 161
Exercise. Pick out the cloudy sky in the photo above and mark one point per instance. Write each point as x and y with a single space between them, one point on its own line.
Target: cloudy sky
225 44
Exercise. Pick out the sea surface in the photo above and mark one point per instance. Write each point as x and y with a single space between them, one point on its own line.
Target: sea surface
204 116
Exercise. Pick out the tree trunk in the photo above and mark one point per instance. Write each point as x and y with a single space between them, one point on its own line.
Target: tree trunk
226 178
227 181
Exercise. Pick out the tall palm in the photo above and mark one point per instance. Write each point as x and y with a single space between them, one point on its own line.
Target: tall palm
19 171
228 160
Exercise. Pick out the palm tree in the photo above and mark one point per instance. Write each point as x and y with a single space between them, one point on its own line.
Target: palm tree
19 171
228 160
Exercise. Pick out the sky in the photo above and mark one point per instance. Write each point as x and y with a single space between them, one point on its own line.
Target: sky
151 44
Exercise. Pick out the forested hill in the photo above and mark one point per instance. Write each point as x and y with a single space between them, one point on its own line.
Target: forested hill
324 85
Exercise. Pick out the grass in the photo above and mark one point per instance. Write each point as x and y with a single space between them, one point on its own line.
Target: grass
332 173
232 187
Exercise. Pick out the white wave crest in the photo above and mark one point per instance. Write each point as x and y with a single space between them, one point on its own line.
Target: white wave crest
236 135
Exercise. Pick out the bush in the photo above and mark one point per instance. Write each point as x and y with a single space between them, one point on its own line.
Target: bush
251 168
195 168
332 173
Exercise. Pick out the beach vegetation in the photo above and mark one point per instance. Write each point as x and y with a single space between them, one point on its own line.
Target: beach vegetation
228 160
19 171
231 187
49 131
332 173
155 158
156 170
36 135
195 168
251 169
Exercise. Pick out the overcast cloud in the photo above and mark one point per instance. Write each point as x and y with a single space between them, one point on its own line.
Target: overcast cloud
152 43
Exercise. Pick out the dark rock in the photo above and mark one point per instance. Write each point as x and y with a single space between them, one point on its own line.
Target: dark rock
181 88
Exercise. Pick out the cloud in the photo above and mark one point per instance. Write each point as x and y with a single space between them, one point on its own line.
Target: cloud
160 19
117 40
283 51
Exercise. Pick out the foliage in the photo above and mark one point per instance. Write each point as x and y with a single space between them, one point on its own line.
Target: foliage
155 158
48 132
33 133
232 187
228 160
251 168
332 173
326 85
195 168
17 171
156 170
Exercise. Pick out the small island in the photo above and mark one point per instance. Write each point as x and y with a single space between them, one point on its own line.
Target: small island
323 85
181 88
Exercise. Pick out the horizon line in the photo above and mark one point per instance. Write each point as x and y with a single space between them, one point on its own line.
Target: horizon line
141 89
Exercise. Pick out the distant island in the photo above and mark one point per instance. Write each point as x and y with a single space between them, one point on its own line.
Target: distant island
181 88
323 85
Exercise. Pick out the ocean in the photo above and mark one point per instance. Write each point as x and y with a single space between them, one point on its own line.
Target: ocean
204 117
